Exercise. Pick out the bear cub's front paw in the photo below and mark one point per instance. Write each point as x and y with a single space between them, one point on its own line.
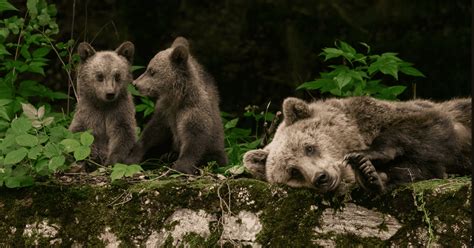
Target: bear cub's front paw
365 171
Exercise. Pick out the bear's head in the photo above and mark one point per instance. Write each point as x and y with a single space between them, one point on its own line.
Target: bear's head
167 72
308 148
104 75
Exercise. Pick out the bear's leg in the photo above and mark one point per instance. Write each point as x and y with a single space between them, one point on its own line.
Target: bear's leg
366 174
121 139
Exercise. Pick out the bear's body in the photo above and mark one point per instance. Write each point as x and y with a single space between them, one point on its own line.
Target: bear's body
104 105
330 145
187 119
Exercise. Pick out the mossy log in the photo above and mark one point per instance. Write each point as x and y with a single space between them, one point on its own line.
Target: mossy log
234 212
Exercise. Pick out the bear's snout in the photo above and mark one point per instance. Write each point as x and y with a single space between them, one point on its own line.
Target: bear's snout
320 179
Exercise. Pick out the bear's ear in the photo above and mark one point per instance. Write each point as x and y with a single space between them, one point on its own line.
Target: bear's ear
126 49
180 41
295 109
255 161
179 55
85 51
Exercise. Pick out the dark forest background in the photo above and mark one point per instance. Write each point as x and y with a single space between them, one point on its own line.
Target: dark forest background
261 50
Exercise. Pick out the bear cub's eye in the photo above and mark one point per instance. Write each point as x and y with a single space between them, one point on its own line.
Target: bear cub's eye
117 77
296 174
309 150
99 77
151 72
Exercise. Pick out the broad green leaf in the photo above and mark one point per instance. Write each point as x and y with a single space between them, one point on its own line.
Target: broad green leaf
347 48
5 5
3 50
19 181
231 124
41 52
26 140
4 113
87 139
317 84
137 67
70 144
34 152
15 156
51 150
31 5
411 71
4 102
82 152
236 170
394 90
342 80
117 174
56 162
132 170
331 53
21 125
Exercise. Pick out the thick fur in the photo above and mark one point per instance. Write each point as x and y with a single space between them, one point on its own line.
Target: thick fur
104 105
334 144
187 117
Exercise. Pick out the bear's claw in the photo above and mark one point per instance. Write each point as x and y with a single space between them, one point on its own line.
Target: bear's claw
365 169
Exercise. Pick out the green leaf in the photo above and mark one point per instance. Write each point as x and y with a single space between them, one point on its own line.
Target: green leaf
318 84
231 124
118 171
70 145
34 152
133 90
132 170
87 139
3 50
15 156
41 52
342 80
21 125
56 162
31 5
5 5
137 67
393 90
26 140
82 152
331 53
4 113
347 48
51 150
411 71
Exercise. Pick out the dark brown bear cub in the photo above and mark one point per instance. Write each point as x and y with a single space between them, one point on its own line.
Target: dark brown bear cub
104 104
187 117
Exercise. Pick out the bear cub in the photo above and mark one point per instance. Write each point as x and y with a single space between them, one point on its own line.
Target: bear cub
332 145
104 105
187 119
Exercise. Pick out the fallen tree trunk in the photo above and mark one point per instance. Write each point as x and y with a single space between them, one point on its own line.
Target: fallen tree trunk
210 212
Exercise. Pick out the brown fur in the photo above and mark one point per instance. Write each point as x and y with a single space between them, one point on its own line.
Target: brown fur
330 145
104 105
187 117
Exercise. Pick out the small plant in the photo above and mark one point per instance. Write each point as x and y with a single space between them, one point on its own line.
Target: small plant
25 43
122 170
34 146
240 140
356 76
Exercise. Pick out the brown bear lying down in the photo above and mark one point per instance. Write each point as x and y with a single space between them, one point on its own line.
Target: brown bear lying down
331 145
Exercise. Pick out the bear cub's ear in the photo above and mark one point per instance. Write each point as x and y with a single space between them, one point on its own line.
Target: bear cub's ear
85 51
295 109
180 55
126 49
255 161
180 41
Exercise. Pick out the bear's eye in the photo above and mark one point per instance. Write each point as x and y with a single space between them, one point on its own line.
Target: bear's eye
296 174
99 77
117 77
309 150
151 72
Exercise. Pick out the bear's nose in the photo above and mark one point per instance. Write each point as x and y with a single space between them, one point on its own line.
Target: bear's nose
320 178
110 96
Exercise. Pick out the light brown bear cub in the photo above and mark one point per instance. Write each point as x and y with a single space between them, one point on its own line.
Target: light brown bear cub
187 117
331 145
104 104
